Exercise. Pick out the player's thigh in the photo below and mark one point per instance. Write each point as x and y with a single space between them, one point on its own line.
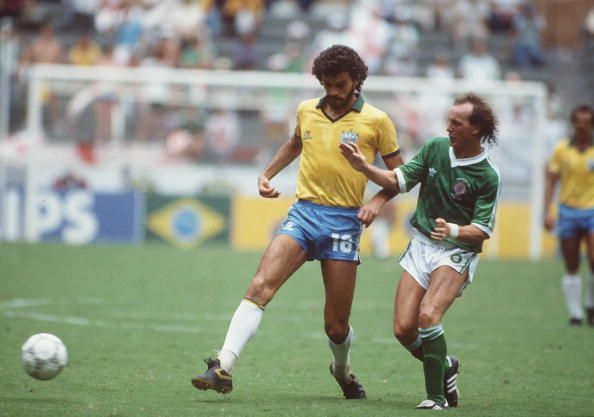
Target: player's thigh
280 260
339 284
444 287
409 294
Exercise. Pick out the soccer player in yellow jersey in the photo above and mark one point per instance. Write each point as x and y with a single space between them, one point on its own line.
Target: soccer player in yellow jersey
325 222
572 165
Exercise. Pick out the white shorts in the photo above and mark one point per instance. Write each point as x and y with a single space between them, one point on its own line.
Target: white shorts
422 258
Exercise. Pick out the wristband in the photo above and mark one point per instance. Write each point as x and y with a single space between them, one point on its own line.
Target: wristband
454 230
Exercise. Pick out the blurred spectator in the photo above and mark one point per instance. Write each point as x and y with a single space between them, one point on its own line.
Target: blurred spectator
468 21
12 9
187 142
440 68
477 64
109 15
241 16
10 50
305 5
128 34
79 15
33 15
528 25
46 48
500 18
370 35
222 134
197 52
439 12
85 51
180 18
246 55
69 181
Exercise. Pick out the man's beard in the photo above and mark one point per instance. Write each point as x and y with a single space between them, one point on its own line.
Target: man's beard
339 104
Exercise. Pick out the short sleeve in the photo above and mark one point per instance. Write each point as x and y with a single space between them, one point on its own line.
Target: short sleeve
414 170
388 143
486 207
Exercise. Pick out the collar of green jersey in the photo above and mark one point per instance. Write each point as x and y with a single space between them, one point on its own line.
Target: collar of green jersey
357 105
455 162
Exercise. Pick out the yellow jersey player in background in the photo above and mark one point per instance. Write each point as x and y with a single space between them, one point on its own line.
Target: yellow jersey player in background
325 223
572 165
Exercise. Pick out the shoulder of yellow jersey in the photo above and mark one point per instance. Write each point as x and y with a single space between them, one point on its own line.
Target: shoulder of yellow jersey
562 145
308 104
373 112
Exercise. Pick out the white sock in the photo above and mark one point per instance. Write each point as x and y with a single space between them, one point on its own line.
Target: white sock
589 299
572 289
243 326
341 366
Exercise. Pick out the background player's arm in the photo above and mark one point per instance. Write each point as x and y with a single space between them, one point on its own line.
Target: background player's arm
382 177
551 180
370 210
287 153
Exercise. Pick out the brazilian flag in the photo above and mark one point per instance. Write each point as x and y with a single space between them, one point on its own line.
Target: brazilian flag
187 222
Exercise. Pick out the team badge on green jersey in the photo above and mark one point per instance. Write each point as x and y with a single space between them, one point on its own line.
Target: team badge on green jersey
460 188
349 137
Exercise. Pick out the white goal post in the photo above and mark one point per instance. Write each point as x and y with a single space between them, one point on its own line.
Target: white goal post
521 107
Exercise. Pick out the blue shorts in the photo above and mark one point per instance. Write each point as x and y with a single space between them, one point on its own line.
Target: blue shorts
324 232
573 222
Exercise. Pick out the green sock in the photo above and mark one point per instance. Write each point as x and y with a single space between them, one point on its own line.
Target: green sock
434 361
416 348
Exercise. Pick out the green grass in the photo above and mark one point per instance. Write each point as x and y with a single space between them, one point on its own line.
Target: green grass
138 321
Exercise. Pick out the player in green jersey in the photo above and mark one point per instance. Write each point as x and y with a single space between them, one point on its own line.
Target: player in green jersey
455 213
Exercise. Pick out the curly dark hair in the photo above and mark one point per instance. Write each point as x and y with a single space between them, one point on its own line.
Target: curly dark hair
337 59
482 115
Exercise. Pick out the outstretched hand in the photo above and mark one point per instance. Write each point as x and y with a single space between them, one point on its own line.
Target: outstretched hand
353 155
265 189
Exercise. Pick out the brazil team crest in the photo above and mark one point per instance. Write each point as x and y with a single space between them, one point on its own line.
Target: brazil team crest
349 137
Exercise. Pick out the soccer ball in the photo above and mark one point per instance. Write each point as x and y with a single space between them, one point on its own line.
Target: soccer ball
43 356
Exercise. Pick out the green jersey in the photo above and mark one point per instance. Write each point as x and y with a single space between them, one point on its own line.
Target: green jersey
462 191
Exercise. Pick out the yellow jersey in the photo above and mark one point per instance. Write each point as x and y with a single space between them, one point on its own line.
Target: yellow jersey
576 171
325 177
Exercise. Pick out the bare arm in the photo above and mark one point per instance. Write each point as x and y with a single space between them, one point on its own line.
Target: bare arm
467 234
287 153
551 180
371 209
382 177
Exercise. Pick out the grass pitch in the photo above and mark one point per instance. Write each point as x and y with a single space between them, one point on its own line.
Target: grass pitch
138 321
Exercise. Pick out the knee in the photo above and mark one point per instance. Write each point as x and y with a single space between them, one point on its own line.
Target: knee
259 292
428 317
405 331
337 331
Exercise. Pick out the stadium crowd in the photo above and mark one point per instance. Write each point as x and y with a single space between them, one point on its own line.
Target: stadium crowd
472 39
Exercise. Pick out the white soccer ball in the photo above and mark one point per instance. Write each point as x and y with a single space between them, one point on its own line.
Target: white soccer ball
43 356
